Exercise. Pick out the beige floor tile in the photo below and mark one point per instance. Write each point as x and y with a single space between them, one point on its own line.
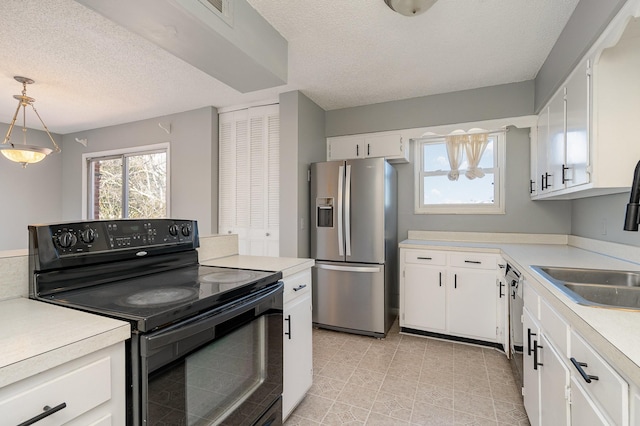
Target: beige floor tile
344 414
434 394
295 420
393 406
357 396
510 413
399 386
348 357
313 408
403 379
368 379
327 387
427 414
480 406
337 370
377 419
467 419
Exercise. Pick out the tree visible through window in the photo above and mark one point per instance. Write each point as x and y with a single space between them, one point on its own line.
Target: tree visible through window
131 185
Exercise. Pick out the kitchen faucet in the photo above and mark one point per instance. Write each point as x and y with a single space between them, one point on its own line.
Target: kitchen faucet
632 218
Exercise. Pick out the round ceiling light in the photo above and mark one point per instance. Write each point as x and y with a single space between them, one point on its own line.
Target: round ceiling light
410 7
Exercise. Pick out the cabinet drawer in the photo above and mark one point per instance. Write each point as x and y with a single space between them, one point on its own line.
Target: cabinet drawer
473 260
554 327
81 389
296 285
425 257
609 391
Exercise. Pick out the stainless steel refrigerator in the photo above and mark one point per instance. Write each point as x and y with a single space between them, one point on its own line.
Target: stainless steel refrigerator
354 241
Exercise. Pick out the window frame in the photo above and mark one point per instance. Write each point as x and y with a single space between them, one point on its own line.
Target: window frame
498 207
87 172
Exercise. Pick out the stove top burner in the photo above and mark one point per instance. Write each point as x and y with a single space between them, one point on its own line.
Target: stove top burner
233 276
158 297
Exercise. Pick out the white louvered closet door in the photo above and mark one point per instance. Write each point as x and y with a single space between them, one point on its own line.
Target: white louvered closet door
249 178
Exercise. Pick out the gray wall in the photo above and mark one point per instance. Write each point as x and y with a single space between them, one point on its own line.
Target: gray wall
522 214
194 159
507 100
30 195
602 218
586 24
302 142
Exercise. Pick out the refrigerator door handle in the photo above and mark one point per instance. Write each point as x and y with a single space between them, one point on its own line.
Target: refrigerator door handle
340 189
349 268
347 211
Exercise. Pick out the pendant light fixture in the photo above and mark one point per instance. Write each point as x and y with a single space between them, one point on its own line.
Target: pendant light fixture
410 7
21 152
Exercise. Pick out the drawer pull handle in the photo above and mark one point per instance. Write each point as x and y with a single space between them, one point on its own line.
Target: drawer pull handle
475 262
47 412
536 346
529 345
288 320
424 258
300 287
578 365
501 295
440 279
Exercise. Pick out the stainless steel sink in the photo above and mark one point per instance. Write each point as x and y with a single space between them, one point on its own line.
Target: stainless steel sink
596 287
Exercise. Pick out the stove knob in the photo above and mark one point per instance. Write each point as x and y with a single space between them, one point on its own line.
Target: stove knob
186 231
88 236
173 230
67 239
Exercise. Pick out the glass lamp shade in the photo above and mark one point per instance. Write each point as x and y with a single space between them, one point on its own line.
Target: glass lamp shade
24 154
410 7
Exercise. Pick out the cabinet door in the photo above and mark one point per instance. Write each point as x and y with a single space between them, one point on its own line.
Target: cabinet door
578 124
583 410
472 303
556 142
389 146
249 178
423 296
554 384
531 376
345 147
298 365
541 151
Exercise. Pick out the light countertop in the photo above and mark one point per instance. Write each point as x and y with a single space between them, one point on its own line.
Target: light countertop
36 336
613 333
288 265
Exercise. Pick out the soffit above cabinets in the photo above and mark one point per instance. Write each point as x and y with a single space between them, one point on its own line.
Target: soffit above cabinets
239 48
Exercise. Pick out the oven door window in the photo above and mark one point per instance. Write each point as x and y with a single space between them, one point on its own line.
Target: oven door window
231 379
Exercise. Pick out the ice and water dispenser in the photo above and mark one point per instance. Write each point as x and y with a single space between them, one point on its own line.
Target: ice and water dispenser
324 212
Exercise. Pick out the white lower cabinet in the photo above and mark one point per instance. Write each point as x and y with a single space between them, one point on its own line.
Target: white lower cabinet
297 355
451 293
472 303
566 382
87 391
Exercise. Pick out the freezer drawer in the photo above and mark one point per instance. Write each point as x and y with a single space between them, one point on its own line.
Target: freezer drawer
349 296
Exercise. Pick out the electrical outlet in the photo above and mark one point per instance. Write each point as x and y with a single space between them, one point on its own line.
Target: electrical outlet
301 223
603 227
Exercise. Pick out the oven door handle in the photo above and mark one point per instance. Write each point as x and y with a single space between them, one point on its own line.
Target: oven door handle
204 323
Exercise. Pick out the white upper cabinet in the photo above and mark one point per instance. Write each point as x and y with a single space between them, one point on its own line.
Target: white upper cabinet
389 145
583 145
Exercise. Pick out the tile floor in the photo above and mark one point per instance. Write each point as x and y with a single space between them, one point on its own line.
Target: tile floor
407 380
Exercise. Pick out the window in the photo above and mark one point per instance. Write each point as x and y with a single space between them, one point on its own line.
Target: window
128 183
439 189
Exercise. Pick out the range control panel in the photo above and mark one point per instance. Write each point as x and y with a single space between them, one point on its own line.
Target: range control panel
99 236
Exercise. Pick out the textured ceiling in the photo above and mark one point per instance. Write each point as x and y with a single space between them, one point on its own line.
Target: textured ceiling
91 73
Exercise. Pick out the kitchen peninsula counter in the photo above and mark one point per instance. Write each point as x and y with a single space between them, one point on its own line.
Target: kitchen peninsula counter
612 332
286 265
37 336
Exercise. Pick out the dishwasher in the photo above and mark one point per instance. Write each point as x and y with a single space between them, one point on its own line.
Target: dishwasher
514 279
